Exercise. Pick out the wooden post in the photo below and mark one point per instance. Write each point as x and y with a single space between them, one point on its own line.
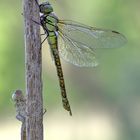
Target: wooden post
33 62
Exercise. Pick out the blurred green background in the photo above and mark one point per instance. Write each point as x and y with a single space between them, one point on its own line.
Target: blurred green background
105 100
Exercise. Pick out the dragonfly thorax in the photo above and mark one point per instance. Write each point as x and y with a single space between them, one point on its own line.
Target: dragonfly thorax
52 18
49 22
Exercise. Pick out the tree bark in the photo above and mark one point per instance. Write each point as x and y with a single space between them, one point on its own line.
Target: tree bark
33 62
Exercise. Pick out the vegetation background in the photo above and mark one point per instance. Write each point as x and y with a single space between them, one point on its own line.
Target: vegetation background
105 100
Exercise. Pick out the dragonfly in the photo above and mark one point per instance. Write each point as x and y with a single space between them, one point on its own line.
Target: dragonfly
74 42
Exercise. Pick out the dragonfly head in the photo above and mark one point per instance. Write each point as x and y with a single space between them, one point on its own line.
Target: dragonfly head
45 8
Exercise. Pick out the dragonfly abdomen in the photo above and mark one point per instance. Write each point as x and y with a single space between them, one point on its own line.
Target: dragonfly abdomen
54 49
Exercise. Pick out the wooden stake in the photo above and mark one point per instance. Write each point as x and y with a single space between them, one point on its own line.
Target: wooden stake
33 63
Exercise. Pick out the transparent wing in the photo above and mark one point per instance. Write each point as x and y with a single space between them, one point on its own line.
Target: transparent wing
75 52
77 42
91 36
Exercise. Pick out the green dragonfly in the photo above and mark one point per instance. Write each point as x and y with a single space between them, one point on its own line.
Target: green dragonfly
74 42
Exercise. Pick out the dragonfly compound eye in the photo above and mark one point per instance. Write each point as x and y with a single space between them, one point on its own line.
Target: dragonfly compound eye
45 8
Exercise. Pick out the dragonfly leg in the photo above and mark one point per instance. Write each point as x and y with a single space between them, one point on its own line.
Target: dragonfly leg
37 2
36 22
43 34
47 33
44 40
44 111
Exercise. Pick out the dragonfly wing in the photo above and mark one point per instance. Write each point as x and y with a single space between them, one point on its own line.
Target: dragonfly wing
75 52
91 37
